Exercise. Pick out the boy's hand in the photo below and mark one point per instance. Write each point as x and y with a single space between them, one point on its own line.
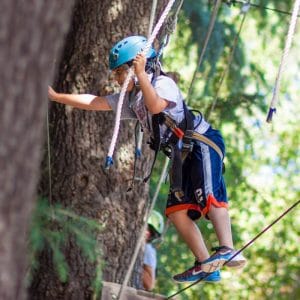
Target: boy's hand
139 64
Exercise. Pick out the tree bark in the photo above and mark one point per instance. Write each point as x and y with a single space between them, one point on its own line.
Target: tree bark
79 145
31 35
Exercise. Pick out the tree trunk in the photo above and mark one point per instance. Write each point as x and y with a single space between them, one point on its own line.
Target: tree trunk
31 34
79 145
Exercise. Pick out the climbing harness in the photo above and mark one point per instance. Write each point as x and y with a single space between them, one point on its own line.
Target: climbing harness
242 249
177 142
283 62
109 159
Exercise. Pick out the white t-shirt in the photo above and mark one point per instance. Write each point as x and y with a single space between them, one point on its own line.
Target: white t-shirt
167 89
150 258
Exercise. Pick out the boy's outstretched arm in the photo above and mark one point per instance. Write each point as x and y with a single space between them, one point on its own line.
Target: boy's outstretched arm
83 101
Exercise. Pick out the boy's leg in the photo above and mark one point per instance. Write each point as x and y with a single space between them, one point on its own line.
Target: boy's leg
190 233
220 219
214 206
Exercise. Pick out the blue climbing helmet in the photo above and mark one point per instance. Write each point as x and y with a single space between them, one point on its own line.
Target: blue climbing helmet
126 50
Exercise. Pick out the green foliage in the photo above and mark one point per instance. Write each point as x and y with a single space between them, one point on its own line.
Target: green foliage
52 226
262 160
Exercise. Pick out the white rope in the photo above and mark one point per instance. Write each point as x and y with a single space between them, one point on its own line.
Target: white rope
152 16
177 8
287 47
138 149
109 160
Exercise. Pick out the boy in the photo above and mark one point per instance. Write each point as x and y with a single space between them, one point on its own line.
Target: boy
203 188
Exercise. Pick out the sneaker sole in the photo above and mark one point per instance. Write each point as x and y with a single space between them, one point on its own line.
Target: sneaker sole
200 281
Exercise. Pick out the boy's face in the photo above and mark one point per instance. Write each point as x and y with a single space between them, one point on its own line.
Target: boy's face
120 75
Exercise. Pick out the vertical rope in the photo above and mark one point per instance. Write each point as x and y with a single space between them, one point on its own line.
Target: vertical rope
138 150
109 160
49 163
169 29
287 47
49 157
208 34
244 11
152 16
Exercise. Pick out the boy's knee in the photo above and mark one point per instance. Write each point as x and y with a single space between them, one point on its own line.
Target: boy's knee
217 211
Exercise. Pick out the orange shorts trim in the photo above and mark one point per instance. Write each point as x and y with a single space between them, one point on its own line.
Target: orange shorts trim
172 209
211 200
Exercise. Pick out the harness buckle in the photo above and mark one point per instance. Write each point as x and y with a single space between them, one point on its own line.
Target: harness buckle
188 143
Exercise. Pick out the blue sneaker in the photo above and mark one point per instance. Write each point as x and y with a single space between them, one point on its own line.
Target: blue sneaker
195 273
219 258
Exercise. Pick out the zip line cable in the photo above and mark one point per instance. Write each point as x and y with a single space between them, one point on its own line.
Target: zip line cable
244 11
243 248
233 2
288 44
